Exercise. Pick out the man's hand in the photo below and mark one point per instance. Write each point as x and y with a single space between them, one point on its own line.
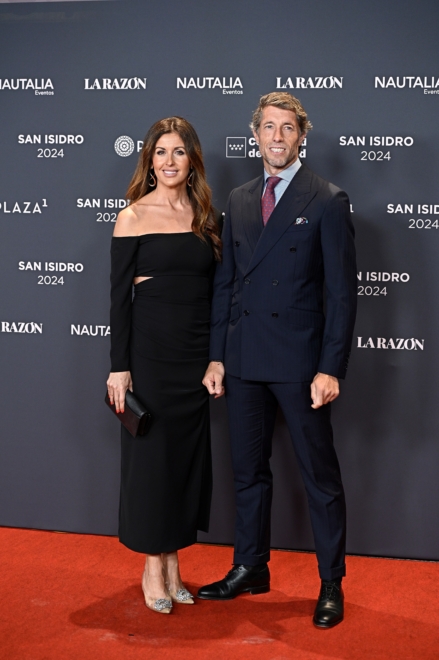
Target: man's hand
324 389
213 379
117 384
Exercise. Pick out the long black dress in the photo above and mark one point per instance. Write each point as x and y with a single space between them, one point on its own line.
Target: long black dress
162 336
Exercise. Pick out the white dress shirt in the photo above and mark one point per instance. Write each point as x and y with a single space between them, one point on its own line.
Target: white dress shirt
286 175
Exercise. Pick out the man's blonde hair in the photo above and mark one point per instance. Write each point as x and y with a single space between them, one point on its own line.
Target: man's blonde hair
286 102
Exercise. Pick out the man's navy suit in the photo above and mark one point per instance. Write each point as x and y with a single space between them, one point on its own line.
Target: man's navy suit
283 310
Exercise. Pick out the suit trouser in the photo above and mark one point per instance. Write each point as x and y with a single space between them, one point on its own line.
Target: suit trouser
252 407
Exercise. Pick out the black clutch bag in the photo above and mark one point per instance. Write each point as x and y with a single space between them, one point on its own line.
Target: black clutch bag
135 417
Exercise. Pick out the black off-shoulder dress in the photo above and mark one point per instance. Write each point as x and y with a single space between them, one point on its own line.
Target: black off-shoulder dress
161 335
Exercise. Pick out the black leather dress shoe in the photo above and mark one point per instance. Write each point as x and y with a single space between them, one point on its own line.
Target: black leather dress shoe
329 609
241 579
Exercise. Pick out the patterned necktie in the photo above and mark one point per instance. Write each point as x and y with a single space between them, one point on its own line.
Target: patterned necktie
268 201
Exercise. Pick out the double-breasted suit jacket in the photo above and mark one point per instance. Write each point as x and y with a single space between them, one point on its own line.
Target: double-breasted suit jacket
285 294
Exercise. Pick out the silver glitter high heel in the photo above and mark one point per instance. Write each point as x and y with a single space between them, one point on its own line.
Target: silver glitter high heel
182 596
162 605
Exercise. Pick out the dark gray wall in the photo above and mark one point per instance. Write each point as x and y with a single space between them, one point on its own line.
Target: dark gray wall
60 447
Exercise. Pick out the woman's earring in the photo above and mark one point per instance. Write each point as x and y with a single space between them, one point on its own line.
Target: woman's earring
189 179
152 180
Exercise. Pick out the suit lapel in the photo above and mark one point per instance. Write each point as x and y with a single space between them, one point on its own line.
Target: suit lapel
252 213
295 198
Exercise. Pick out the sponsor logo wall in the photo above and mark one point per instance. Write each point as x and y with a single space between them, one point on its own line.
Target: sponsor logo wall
40 87
312 82
429 85
115 83
226 85
66 163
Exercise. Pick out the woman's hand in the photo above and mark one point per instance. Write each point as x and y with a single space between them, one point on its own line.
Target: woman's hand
117 384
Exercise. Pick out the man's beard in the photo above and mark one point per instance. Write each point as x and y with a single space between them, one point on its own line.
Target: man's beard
281 162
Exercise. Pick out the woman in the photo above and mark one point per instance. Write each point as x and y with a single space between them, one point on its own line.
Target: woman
165 243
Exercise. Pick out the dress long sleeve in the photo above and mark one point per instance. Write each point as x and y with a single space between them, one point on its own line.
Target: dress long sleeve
123 265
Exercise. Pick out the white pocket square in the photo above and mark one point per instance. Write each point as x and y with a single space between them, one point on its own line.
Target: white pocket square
301 221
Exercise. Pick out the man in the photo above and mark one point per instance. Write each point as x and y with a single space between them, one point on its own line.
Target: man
288 242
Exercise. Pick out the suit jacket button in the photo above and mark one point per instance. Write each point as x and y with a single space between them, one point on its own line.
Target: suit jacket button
237 243
246 312
292 249
246 281
275 314
275 282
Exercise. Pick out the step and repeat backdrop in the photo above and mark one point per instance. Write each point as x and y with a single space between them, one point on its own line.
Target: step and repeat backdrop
80 83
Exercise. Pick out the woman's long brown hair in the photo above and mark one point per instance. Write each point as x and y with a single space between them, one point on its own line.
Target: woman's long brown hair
200 196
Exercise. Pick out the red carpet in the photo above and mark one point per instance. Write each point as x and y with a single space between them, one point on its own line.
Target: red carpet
78 597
